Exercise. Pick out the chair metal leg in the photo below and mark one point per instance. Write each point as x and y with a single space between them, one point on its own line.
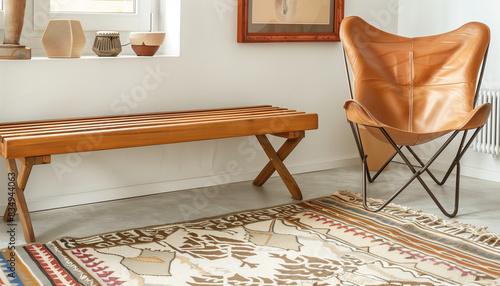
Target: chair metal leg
362 154
424 168
383 166
460 153
365 196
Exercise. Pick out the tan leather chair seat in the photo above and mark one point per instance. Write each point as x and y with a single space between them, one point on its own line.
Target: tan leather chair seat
418 89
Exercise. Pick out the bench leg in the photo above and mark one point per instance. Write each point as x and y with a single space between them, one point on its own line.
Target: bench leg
276 164
22 207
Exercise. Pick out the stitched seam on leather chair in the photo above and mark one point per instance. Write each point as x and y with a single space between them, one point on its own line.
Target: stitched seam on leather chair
410 120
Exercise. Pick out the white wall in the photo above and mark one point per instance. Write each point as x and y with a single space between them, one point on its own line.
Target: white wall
212 71
424 17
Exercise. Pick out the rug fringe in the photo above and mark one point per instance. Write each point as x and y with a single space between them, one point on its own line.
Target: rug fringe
479 234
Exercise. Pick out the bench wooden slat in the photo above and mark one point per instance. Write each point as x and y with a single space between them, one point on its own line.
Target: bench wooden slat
88 126
128 118
13 125
136 136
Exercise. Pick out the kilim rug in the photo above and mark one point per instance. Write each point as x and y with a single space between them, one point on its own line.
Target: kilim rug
325 241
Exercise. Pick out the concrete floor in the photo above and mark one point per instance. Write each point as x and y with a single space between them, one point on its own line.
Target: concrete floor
479 204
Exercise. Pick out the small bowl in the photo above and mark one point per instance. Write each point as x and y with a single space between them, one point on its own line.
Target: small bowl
146 43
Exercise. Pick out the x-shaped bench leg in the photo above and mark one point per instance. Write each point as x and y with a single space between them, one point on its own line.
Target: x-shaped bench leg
19 204
20 201
276 163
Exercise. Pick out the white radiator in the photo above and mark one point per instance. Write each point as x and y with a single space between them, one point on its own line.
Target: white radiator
488 139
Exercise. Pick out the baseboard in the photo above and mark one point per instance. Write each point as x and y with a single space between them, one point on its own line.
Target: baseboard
97 196
473 172
477 173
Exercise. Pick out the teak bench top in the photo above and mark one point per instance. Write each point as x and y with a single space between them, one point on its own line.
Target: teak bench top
33 143
38 138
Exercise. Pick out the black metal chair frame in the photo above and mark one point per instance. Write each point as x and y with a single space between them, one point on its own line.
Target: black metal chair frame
424 168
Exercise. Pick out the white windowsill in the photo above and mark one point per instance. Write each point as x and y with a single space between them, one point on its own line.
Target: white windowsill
119 57
104 58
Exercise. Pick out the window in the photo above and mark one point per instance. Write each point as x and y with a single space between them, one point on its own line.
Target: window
93 6
2 17
95 15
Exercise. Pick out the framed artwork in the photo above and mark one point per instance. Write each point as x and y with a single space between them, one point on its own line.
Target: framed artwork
289 20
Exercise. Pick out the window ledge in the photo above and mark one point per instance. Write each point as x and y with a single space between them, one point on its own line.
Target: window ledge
94 58
104 58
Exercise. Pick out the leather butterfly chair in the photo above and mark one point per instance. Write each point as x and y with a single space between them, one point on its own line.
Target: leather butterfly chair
409 91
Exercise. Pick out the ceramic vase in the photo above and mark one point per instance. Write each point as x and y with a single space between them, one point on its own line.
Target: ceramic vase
14 19
107 44
64 39
146 43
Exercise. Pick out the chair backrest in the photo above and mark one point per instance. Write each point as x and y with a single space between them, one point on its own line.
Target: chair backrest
415 84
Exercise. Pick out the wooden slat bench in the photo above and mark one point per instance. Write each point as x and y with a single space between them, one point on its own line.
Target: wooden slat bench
33 143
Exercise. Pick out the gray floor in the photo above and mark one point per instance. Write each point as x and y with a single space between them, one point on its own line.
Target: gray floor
479 204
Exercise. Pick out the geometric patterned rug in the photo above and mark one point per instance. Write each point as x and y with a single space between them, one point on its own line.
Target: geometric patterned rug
326 241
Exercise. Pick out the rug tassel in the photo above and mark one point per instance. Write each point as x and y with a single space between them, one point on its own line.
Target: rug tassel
479 234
